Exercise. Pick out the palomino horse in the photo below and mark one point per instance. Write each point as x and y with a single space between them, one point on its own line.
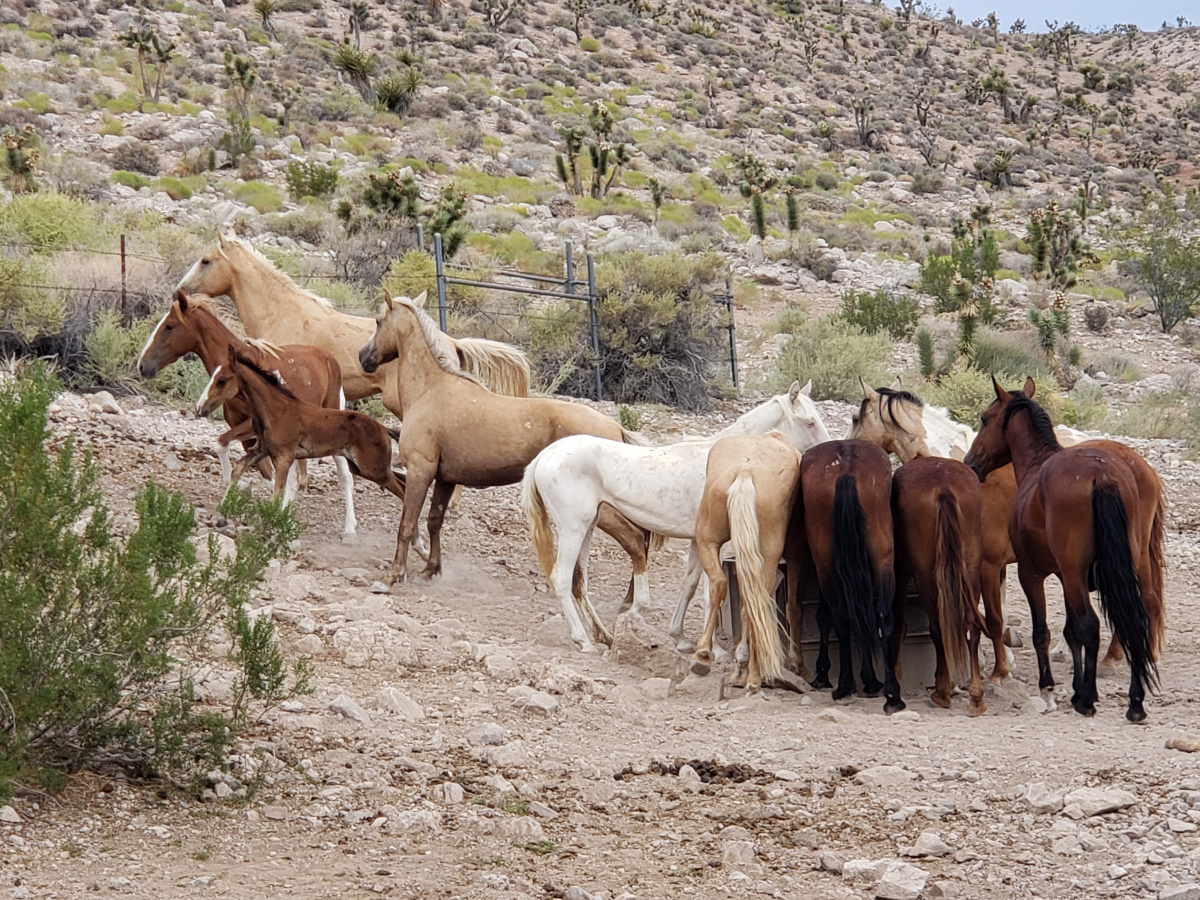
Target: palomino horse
191 325
456 431
936 509
901 423
271 306
847 490
751 489
656 488
1077 517
288 429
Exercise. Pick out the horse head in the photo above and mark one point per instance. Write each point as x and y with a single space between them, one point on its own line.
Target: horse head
885 418
801 421
990 449
213 272
171 338
223 385
395 323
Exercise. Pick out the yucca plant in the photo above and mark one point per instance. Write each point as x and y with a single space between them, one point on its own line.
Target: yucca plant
357 66
396 91
265 10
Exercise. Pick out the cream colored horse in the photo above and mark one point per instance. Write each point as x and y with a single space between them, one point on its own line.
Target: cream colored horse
456 432
657 488
273 307
751 489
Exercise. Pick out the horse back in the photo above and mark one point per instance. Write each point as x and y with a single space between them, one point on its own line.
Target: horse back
918 487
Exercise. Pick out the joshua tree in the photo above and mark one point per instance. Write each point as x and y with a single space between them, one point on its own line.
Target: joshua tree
756 181
658 194
359 67
1130 31
993 24
21 157
242 75
266 9
568 166
286 95
579 9
862 107
497 12
360 19
145 41
396 92
1057 246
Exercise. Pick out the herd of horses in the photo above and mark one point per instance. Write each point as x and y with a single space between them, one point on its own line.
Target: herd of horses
774 485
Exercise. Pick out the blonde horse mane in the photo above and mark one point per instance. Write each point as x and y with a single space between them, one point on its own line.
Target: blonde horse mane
272 271
439 345
209 305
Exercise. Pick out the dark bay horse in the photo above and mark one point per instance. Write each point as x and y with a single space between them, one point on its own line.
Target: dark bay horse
846 488
936 508
1077 516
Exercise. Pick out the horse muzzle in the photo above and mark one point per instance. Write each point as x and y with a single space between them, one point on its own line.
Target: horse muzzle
974 466
368 358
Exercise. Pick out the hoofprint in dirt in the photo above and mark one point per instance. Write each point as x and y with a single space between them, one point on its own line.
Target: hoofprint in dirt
458 745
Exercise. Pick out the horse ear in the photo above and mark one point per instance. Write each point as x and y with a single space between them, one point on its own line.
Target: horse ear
793 392
181 297
1001 393
233 361
420 299
387 299
868 391
897 383
807 389
220 238
1030 387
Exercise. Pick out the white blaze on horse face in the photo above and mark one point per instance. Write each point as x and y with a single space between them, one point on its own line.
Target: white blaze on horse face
208 387
186 282
151 340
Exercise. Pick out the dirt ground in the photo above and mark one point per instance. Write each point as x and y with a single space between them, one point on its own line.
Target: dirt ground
477 754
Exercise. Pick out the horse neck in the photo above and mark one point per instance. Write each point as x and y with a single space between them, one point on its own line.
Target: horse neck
253 289
943 434
1027 450
417 371
213 338
760 420
266 401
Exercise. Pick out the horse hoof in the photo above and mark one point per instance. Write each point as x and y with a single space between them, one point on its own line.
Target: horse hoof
1136 713
975 708
700 667
685 646
871 690
1084 709
998 677
842 694
1048 699
941 700
821 683
894 705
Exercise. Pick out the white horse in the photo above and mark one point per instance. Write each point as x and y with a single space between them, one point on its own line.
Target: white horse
657 488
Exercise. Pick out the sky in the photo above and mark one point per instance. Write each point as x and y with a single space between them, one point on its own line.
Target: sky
1091 14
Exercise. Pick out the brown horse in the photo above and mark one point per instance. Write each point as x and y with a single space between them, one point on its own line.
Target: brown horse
1077 516
936 508
288 428
847 491
900 423
192 325
751 488
458 432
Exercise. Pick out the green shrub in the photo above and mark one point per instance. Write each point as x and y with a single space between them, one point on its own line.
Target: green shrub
589 45
965 393
137 156
131 180
827 181
103 633
1162 415
175 188
937 274
877 312
110 352
790 318
311 179
1010 357
263 197
1085 407
48 221
306 224
660 334
834 354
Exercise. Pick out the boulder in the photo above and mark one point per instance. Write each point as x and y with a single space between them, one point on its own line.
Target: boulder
636 643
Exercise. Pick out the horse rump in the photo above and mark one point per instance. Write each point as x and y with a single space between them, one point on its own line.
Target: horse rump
852 565
1117 582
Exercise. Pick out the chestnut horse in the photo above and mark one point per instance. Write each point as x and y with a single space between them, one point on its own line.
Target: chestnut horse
191 325
288 428
456 431
751 489
1077 516
847 491
936 510
900 423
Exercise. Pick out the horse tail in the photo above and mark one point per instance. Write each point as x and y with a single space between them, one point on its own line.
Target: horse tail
1117 583
1158 564
500 367
538 520
852 563
957 606
758 596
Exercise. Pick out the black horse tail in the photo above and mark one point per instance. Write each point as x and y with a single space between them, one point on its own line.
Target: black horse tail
1117 582
852 564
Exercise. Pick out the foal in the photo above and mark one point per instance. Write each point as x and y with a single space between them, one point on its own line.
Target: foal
288 429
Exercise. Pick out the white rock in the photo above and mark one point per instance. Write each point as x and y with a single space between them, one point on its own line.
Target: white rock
490 734
9 816
735 854
901 881
836 716
452 792
1179 826
884 776
103 401
398 702
864 870
787 775
521 828
575 892
502 667
735 833
539 702
1041 800
928 844
1182 892
656 688
1097 801
344 706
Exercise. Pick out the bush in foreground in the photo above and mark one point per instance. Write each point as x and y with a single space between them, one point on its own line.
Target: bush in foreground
102 632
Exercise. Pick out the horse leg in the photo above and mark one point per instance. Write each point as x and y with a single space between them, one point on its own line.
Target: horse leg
289 484
285 465
992 585
892 643
598 628
795 621
824 624
571 538
222 449
636 542
1083 635
415 488
841 627
1034 585
347 483
691 578
437 515
302 475
710 560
